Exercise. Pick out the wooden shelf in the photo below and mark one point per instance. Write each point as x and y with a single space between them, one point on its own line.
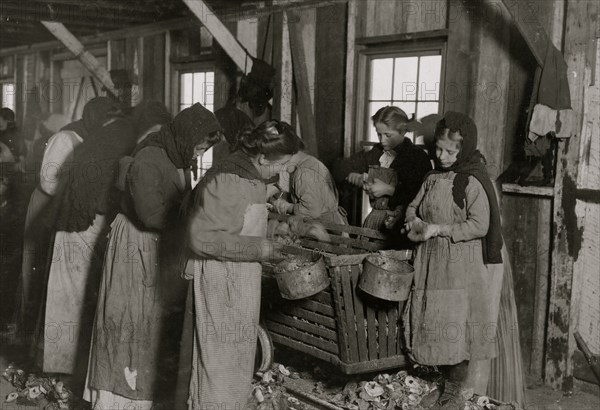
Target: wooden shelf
545 191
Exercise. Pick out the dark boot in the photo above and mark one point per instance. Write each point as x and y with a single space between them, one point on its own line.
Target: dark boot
451 398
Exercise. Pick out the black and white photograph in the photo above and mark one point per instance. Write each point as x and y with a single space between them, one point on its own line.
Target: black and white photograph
300 205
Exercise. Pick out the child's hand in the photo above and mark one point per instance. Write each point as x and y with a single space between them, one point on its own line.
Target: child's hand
378 188
411 223
392 218
282 206
355 179
272 190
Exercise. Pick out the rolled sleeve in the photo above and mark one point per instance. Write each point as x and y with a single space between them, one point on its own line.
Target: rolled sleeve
58 152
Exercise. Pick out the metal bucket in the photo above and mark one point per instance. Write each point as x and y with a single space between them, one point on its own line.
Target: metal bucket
302 282
386 278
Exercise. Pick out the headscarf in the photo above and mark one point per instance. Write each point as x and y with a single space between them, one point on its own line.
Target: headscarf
233 122
87 188
95 113
470 162
189 128
149 113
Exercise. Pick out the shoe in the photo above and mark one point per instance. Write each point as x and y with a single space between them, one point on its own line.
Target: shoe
451 398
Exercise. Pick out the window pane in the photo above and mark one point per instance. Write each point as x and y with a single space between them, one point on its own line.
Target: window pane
210 77
381 78
429 78
199 88
209 90
8 96
186 88
407 107
405 78
426 108
373 107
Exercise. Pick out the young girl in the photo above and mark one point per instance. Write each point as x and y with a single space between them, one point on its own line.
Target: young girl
131 320
458 265
312 190
226 233
394 151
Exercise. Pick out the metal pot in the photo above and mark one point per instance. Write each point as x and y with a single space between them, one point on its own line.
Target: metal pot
302 282
386 278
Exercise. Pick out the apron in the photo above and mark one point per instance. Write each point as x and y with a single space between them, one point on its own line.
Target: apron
72 295
227 306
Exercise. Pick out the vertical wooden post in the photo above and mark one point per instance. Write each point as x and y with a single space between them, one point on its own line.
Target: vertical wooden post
350 70
305 107
168 83
581 22
285 75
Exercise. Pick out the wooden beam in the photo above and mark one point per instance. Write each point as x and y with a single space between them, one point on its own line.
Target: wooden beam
530 27
394 38
221 34
305 108
85 57
581 20
89 15
350 72
165 25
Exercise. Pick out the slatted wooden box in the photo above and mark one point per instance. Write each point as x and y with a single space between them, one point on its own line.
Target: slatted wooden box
341 324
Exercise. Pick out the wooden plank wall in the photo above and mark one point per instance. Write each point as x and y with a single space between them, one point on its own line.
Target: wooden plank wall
383 17
527 219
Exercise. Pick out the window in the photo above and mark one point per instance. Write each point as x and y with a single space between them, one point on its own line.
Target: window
409 76
411 82
8 95
198 87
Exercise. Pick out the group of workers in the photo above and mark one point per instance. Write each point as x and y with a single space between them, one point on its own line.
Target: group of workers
115 232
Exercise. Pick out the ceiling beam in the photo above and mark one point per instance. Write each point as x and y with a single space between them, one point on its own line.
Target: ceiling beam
533 32
127 5
39 12
85 57
80 7
221 33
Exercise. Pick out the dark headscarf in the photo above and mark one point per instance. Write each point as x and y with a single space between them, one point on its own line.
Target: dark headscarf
189 128
95 113
233 122
148 114
87 189
470 162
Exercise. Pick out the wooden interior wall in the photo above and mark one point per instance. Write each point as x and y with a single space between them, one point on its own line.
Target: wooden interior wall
527 218
330 62
153 67
385 17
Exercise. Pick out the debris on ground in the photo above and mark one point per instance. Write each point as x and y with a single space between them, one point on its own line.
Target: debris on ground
35 388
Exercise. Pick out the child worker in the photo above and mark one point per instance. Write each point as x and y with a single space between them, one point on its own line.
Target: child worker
397 170
227 234
455 218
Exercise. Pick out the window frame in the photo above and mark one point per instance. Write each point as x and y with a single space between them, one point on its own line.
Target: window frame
365 54
184 68
10 81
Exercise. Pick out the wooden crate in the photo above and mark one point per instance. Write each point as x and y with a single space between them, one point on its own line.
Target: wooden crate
341 324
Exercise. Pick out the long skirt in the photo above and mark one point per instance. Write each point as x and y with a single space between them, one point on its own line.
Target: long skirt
227 303
124 355
36 241
71 297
